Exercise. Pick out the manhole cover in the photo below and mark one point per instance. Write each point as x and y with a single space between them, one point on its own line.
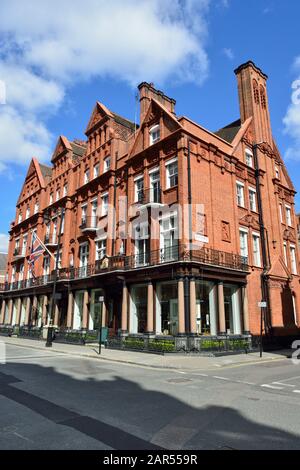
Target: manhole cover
179 381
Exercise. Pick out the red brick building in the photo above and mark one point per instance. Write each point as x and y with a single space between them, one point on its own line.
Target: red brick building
170 229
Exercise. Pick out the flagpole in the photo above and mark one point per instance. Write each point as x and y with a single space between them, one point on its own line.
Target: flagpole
45 248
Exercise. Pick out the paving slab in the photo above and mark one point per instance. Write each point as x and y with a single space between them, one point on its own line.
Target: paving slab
169 361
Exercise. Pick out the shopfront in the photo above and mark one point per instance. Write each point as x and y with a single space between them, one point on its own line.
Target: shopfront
167 308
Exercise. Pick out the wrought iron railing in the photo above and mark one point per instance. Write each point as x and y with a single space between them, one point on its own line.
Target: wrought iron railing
89 223
175 253
151 195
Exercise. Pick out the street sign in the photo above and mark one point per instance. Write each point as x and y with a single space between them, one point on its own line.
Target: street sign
262 304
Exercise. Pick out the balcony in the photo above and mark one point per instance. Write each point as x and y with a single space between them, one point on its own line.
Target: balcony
89 224
19 253
50 241
204 256
151 197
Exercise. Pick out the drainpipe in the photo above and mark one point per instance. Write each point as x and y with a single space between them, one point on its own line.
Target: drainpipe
113 248
187 299
264 282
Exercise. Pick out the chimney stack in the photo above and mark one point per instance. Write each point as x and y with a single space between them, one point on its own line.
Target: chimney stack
253 99
147 91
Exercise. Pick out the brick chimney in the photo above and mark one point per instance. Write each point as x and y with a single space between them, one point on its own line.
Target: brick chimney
253 98
147 91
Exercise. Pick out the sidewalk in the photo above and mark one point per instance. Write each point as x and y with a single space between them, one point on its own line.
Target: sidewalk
176 361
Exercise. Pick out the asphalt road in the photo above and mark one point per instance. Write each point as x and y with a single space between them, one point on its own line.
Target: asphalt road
56 401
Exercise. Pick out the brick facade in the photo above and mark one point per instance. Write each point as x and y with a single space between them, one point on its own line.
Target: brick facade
237 243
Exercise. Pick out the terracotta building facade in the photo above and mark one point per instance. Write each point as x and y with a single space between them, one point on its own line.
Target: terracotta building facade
168 229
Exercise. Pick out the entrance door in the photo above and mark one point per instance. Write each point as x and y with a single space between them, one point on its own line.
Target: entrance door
173 317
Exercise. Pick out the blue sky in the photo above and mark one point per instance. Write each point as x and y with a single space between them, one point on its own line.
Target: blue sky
55 66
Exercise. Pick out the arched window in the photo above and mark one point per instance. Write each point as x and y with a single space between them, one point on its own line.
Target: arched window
255 92
263 97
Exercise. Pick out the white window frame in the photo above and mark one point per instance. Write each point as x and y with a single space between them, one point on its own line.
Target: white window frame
20 217
241 186
83 213
288 215
102 249
27 214
24 245
249 155
58 194
277 172
154 134
253 208
168 165
96 170
244 231
107 163
293 259
36 207
51 199
65 190
256 254
104 206
137 180
87 176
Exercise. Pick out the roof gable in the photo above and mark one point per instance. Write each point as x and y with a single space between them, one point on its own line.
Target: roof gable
62 146
34 170
155 111
100 111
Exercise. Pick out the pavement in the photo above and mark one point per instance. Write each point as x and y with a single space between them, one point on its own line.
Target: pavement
168 361
67 398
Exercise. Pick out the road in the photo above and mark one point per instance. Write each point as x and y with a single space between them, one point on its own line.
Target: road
50 400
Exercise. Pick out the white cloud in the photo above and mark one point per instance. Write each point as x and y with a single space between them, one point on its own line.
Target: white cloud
229 53
3 243
292 119
48 46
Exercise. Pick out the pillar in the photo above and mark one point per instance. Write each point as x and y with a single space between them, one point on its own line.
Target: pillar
150 309
27 312
221 308
18 313
104 314
3 307
34 310
44 313
56 314
10 311
193 322
181 322
245 310
85 310
124 325
70 310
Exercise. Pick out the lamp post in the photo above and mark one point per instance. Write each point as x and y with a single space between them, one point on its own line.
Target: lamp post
56 269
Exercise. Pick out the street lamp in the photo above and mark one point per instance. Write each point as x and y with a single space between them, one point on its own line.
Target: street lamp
56 269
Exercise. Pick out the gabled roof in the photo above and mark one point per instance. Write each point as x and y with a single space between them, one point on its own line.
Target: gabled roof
153 103
99 112
46 170
62 145
125 122
229 132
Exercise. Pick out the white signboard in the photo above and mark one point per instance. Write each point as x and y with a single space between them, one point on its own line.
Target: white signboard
262 304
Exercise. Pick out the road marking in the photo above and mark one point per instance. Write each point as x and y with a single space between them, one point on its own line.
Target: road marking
244 382
271 386
220 378
285 385
296 391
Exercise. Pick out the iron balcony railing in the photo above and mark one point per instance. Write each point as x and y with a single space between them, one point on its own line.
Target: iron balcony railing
149 196
89 223
175 253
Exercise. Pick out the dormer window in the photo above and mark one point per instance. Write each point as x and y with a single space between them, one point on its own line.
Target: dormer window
154 134
249 158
